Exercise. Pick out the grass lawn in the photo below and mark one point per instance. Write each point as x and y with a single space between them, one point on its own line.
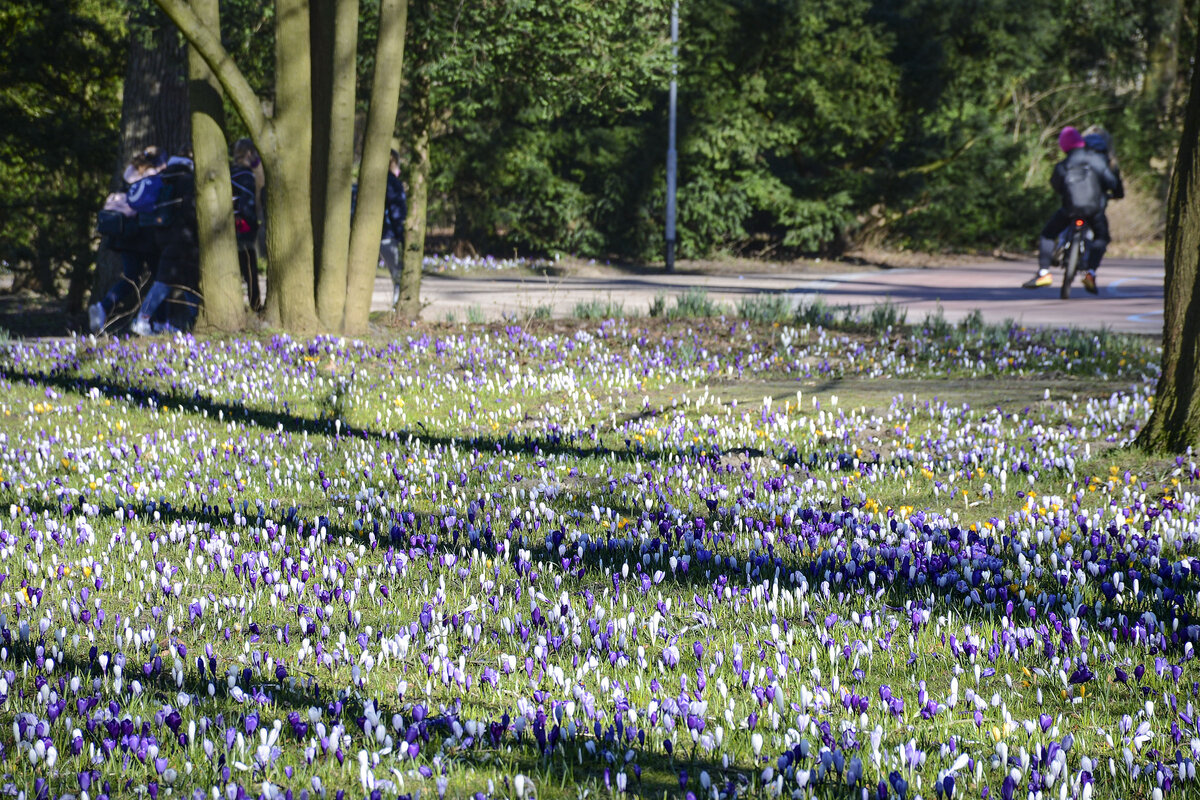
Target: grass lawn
716 556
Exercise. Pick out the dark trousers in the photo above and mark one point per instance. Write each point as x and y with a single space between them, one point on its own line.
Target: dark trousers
132 264
182 307
248 261
389 254
1059 223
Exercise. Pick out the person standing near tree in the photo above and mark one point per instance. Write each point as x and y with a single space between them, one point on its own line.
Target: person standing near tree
173 222
395 209
245 174
133 242
394 212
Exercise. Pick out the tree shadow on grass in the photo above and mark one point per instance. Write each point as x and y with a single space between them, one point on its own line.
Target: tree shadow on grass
707 573
814 566
551 444
539 747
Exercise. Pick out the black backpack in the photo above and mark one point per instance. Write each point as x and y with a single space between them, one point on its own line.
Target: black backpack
1083 194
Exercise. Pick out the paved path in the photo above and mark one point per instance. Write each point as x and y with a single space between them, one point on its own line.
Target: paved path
1130 299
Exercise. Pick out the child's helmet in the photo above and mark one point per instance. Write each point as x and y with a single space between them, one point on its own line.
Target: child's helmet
1098 139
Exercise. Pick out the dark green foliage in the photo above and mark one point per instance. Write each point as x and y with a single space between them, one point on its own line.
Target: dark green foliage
784 101
60 68
806 126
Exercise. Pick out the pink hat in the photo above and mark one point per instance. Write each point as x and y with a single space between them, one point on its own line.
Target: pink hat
1070 139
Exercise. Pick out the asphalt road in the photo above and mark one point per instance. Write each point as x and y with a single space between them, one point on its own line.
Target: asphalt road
1130 298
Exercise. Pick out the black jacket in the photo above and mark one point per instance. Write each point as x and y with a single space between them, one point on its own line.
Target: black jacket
179 259
395 209
244 207
1098 163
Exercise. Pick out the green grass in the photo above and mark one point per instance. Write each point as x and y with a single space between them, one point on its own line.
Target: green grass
279 455
694 303
596 309
765 308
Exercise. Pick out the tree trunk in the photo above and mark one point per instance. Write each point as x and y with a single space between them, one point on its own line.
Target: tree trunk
287 156
220 280
418 200
321 36
1175 423
372 180
156 112
334 166
154 108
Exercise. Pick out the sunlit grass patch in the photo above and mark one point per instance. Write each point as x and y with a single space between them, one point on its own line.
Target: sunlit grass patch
642 556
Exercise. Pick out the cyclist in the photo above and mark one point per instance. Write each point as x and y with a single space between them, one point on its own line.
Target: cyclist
1083 180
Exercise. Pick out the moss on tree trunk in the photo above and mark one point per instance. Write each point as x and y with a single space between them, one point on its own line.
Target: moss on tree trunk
333 151
372 180
220 281
1175 423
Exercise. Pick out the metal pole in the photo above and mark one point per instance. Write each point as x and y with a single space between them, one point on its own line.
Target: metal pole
671 156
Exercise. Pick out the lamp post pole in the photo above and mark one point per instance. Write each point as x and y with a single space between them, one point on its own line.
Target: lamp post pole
671 155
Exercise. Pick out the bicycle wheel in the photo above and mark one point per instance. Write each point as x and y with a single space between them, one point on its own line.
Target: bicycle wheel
1072 262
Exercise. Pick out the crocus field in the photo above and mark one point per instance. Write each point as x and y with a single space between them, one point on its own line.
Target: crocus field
699 557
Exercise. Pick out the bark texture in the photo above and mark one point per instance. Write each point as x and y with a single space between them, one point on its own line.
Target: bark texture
418 199
220 281
291 282
372 181
154 108
1175 423
285 142
333 158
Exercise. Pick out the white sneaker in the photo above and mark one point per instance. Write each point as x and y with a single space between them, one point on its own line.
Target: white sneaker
141 326
96 317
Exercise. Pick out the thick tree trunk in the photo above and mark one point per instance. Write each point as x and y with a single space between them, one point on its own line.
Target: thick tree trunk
156 112
332 169
154 107
321 36
287 158
418 201
372 181
220 280
1175 423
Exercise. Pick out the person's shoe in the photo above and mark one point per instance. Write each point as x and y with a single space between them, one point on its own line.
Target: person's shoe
395 296
96 317
140 326
1089 282
1043 278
